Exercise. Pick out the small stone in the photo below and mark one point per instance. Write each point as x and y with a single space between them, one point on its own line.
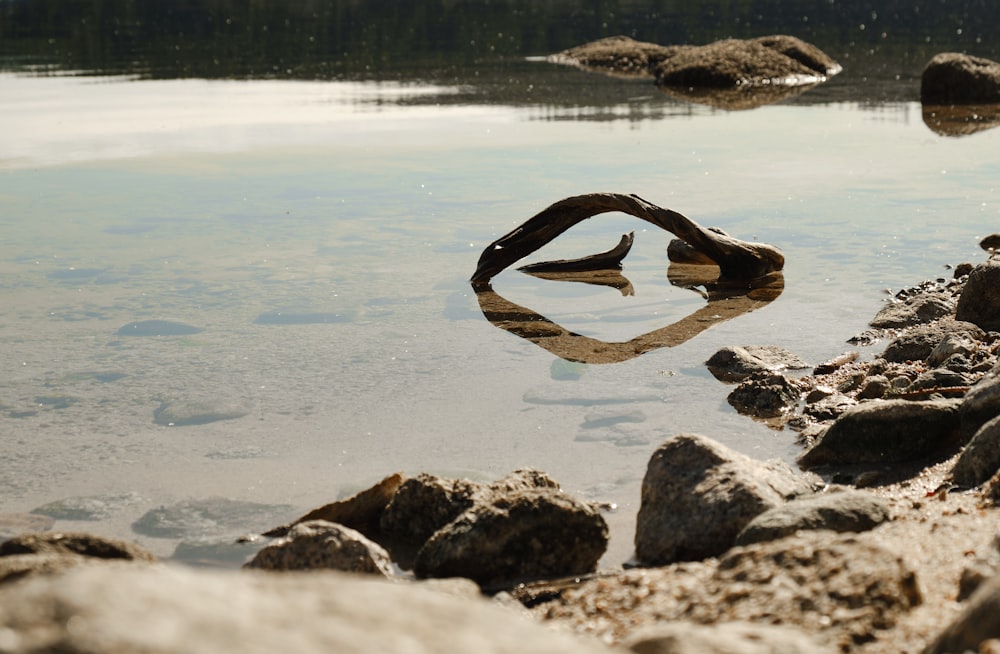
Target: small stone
734 364
322 545
847 511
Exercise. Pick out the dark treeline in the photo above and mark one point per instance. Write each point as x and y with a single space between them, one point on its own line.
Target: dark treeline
438 40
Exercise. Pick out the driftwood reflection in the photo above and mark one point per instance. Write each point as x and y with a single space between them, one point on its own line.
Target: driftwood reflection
726 300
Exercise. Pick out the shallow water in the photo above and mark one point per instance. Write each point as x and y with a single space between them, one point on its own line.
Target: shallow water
319 237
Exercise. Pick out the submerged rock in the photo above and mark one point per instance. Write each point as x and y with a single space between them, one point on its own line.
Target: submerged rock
764 395
697 495
206 517
185 413
89 508
158 328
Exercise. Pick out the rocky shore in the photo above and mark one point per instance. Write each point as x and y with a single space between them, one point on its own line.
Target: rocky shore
887 539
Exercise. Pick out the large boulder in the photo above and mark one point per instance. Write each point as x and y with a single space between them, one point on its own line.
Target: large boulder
891 431
956 78
117 609
980 299
697 495
517 535
318 544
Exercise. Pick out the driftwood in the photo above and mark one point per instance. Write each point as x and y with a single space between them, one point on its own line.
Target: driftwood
736 259
610 260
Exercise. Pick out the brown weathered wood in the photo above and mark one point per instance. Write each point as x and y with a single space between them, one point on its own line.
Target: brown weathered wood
609 260
736 259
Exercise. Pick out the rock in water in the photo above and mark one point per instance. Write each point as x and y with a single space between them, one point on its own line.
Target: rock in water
956 78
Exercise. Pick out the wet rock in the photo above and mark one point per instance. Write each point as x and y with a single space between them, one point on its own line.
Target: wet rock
980 459
88 508
979 302
914 310
319 545
697 495
956 78
618 55
207 517
183 413
918 343
515 536
76 544
775 60
989 243
848 511
734 364
979 621
158 328
891 431
174 610
682 637
362 511
764 396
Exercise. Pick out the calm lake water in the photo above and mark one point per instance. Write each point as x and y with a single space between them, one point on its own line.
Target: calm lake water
318 232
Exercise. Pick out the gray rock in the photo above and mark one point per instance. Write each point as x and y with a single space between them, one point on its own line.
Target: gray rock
939 378
979 621
682 637
951 345
208 517
956 78
764 395
918 343
914 310
184 413
982 402
829 408
980 459
173 610
517 535
76 544
875 387
697 495
318 545
891 431
848 511
734 364
979 302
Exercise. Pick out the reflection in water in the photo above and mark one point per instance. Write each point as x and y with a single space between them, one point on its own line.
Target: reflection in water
726 300
961 120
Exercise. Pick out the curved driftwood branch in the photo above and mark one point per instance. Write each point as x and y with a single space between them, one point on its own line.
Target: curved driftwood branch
610 260
736 258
